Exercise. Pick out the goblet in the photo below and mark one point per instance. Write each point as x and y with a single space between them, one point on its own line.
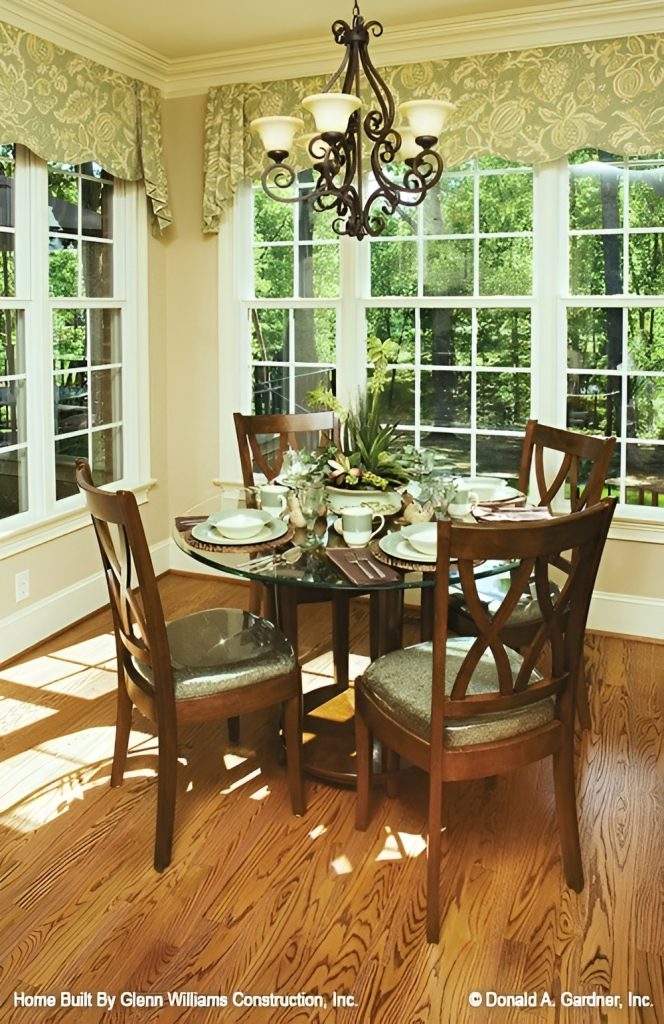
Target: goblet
311 496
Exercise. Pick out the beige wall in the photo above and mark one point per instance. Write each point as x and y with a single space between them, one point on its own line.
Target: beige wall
190 414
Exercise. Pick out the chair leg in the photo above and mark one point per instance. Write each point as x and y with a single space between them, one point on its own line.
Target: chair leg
292 726
582 704
122 730
568 826
166 783
363 767
433 857
233 726
340 640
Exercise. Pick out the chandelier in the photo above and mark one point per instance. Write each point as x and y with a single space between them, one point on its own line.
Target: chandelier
403 162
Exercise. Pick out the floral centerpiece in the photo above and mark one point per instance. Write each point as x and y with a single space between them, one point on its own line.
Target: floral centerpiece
372 454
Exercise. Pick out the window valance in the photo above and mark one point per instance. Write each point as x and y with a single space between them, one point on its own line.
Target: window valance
531 105
69 109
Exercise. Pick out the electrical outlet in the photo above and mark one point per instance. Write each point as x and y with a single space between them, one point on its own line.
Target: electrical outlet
22 584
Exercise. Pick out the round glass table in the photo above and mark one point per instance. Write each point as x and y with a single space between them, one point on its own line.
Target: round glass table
286 563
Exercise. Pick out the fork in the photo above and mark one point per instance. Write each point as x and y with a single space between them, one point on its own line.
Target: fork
373 567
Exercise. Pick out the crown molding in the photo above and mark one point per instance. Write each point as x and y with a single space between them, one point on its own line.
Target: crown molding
452 37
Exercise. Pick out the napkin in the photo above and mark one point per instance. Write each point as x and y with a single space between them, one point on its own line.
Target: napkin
351 560
487 513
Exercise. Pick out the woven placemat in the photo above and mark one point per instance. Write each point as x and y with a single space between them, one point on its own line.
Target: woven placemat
246 549
400 563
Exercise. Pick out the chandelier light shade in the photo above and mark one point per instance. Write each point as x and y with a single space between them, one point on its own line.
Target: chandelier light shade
348 142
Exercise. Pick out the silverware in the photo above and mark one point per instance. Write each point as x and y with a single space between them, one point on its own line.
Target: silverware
375 568
359 562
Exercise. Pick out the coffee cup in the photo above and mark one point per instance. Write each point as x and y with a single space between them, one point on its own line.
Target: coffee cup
462 502
273 497
357 525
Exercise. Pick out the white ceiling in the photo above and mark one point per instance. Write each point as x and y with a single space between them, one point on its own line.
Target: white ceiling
178 29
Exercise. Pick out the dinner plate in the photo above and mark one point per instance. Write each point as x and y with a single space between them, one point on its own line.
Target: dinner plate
208 535
397 546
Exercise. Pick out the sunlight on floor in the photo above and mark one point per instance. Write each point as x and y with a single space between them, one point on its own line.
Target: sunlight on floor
341 865
399 845
232 761
260 794
241 782
18 714
40 784
320 830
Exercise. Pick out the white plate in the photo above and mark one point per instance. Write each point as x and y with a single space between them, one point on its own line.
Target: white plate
386 503
397 546
208 535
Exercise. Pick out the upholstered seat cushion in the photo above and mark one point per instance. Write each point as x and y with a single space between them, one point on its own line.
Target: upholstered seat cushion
223 649
492 591
401 681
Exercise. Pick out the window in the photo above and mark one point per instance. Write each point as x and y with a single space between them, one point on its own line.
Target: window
506 303
293 315
68 360
456 272
615 315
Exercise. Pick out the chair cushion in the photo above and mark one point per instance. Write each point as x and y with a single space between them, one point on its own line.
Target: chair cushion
223 649
492 591
401 682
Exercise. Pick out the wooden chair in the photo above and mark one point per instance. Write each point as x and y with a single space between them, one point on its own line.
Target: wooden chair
211 664
472 707
558 461
262 441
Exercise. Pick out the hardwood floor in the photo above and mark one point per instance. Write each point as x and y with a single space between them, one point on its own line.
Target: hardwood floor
257 901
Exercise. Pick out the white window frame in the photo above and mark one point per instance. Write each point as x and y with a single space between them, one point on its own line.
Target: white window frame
45 519
549 301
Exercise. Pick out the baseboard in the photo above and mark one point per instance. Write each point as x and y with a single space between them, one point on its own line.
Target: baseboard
39 620
627 615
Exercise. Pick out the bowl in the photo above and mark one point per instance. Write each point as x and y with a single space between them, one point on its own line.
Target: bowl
422 536
240 524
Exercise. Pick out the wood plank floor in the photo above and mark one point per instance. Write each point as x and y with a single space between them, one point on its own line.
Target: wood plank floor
257 901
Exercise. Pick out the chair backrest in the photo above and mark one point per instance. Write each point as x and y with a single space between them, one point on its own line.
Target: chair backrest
555 645
581 464
138 615
262 440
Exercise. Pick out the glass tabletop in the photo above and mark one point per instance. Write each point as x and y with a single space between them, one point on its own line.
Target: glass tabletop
294 562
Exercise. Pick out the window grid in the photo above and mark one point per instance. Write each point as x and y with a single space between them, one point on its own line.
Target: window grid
637 474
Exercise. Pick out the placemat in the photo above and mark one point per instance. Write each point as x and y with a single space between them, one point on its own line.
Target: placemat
400 563
346 560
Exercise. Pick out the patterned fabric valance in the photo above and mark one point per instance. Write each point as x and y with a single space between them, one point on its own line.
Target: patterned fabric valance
69 109
530 105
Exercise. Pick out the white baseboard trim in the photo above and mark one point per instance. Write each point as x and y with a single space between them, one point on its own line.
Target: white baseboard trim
35 622
627 614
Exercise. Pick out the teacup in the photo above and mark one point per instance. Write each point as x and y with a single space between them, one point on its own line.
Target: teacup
273 497
462 502
357 525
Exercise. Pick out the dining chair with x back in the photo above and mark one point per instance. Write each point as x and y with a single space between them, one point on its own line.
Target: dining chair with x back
472 707
216 663
565 471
